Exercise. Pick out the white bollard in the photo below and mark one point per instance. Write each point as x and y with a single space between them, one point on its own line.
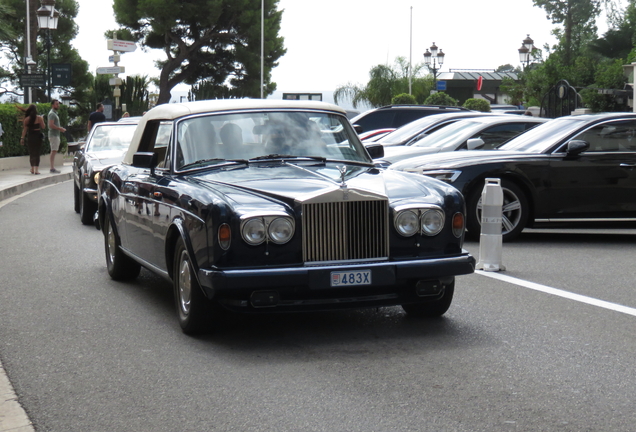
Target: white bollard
490 239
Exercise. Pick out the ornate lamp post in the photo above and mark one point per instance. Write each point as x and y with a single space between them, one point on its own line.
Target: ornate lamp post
526 52
47 19
434 61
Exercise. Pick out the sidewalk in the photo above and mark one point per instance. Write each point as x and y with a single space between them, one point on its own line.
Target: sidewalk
16 179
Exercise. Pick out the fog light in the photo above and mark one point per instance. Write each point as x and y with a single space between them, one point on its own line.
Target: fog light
427 288
264 298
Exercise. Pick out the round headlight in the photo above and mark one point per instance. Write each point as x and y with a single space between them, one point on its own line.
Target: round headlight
281 230
254 231
96 177
406 223
432 222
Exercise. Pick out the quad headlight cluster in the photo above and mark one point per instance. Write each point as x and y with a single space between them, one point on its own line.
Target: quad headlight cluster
426 221
275 229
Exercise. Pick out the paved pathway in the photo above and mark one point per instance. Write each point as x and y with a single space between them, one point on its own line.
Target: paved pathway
14 182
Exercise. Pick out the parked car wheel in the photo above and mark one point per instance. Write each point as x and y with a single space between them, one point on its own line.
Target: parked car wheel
432 309
87 209
76 198
120 266
192 306
515 211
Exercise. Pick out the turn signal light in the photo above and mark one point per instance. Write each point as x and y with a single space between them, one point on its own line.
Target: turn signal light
225 235
458 224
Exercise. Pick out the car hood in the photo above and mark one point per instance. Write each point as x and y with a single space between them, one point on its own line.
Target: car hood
458 159
308 183
102 158
393 154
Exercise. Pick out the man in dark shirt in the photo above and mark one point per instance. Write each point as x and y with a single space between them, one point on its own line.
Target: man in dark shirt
96 117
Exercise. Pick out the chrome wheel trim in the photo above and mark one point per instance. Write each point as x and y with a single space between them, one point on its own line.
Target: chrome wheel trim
112 245
185 284
511 211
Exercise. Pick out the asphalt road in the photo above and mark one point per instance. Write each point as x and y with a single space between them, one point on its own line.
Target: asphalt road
85 353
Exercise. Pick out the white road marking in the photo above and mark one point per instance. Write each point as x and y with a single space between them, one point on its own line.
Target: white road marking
560 293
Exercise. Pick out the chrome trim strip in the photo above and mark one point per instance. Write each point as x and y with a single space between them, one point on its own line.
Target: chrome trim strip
585 220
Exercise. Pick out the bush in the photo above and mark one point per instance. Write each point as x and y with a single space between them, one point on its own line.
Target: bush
11 120
404 99
440 98
477 105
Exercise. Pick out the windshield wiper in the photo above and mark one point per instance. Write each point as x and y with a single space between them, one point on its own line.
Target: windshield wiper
281 156
204 161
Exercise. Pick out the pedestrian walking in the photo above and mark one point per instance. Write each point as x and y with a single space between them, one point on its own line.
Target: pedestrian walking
32 131
96 117
54 132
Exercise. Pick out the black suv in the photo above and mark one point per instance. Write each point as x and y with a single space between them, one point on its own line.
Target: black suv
394 116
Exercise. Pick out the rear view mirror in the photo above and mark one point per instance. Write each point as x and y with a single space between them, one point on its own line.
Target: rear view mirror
576 147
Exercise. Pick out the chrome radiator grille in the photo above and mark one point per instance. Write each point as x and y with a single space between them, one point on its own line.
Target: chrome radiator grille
348 230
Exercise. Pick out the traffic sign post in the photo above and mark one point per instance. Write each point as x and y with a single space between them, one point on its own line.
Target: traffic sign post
121 45
110 70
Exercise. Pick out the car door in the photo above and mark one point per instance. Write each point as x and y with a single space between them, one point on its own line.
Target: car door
600 183
147 212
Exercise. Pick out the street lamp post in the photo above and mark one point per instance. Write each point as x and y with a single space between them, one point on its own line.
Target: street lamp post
47 19
526 52
434 61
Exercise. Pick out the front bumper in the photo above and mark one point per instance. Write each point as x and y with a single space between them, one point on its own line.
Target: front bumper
309 287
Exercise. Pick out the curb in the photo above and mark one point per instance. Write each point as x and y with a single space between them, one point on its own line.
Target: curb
45 180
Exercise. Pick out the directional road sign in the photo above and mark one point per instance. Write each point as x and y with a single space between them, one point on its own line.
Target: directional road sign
121 45
33 80
111 70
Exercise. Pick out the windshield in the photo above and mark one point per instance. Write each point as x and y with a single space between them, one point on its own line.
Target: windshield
409 130
455 133
111 137
544 136
210 139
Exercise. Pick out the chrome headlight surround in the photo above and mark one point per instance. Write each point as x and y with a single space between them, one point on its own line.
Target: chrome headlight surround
425 220
277 229
407 222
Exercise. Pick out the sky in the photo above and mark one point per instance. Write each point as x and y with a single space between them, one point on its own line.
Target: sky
331 43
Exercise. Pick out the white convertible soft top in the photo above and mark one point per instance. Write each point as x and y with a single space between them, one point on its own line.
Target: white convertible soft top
178 110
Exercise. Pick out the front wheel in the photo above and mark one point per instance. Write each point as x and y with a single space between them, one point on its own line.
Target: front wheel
76 198
87 208
120 266
192 306
434 308
515 211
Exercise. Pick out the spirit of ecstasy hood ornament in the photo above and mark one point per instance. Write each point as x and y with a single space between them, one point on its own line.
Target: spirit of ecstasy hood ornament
343 172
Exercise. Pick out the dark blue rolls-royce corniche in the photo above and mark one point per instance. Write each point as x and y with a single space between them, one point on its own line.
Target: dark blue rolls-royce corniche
259 205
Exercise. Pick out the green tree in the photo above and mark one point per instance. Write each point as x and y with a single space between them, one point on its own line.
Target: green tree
61 49
577 18
404 99
477 104
441 98
215 40
385 82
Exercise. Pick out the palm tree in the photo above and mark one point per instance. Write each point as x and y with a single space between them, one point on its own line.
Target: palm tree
385 82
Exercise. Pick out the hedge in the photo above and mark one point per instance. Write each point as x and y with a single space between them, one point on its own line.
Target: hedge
11 121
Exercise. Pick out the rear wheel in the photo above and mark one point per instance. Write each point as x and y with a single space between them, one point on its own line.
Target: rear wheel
192 306
120 266
87 209
515 211
434 308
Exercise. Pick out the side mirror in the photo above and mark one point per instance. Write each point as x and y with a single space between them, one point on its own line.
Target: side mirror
375 150
145 160
358 129
576 147
475 143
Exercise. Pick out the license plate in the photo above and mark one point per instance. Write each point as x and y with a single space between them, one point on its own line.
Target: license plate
351 278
